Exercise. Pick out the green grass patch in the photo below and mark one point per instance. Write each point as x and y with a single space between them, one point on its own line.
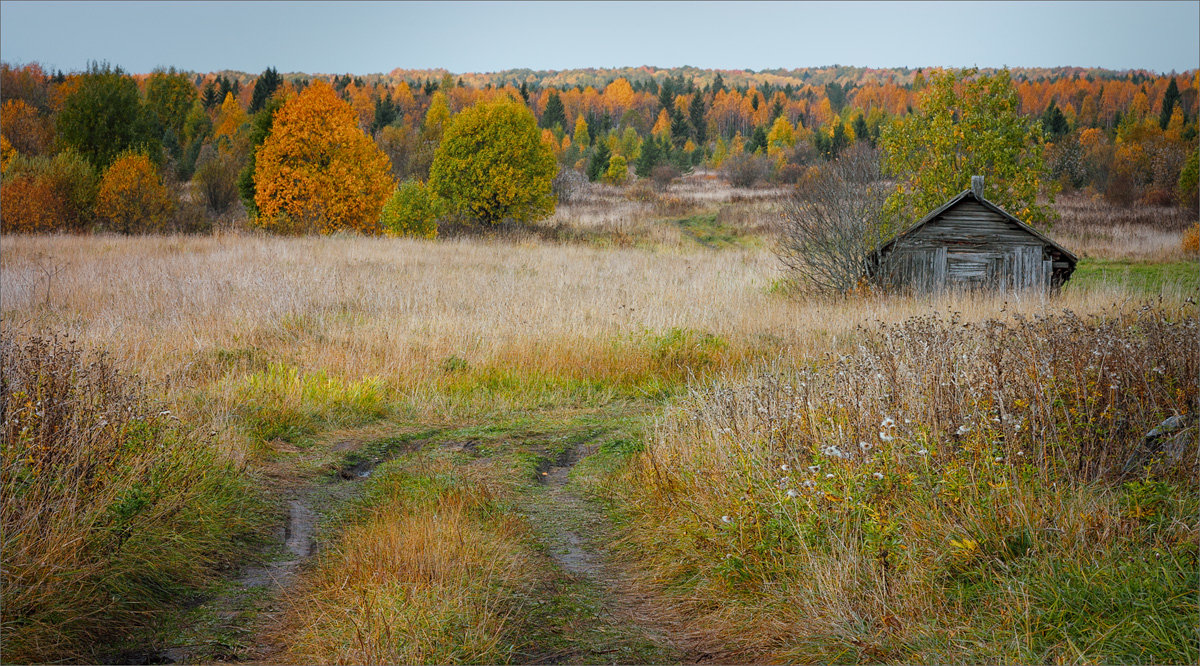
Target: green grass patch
708 232
1138 276
283 403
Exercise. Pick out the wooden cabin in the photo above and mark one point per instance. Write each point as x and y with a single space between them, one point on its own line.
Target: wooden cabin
970 243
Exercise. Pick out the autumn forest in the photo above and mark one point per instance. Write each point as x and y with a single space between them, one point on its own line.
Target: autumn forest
176 151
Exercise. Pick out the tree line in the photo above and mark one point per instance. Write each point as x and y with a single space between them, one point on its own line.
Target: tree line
173 150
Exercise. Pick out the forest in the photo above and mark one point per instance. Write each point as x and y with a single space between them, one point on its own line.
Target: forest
82 151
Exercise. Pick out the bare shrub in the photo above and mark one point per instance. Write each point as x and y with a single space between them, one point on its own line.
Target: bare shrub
216 179
190 216
663 175
569 186
789 174
744 170
833 222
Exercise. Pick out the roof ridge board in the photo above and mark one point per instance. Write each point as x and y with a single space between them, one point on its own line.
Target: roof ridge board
958 198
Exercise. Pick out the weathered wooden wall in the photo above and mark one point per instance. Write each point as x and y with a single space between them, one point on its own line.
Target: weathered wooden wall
969 246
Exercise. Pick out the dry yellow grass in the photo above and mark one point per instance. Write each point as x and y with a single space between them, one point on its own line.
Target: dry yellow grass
396 309
368 306
1092 227
423 579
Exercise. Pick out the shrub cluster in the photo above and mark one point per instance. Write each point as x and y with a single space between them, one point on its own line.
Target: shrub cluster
934 479
112 509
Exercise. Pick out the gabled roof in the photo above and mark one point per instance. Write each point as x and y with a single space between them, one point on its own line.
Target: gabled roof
962 196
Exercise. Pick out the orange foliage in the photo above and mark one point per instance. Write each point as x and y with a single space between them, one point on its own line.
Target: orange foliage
363 105
46 194
132 198
663 124
6 153
20 124
317 171
1191 240
31 204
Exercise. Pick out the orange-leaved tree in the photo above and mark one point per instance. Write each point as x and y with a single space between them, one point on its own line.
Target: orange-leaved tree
132 198
47 194
317 171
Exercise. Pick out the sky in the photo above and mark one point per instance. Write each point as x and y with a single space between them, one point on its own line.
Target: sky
371 37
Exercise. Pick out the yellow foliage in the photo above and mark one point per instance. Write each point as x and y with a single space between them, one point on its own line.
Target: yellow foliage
132 198
230 120
6 153
780 138
1191 240
551 141
1090 137
618 171
663 125
492 164
317 171
720 152
619 94
582 138
1174 131
25 130
738 146
437 116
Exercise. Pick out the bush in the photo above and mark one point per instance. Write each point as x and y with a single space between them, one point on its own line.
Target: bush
26 131
569 185
112 509
216 179
1191 240
744 170
833 222
317 172
1186 189
789 174
411 211
617 172
663 175
43 194
190 217
132 198
937 476
492 164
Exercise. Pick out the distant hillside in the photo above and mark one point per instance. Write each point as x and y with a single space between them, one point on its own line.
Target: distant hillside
598 77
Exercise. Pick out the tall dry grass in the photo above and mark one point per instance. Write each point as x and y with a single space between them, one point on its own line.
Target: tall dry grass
258 338
424 573
1090 226
199 312
112 508
944 492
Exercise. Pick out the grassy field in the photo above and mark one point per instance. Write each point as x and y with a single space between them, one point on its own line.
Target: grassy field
1146 277
565 444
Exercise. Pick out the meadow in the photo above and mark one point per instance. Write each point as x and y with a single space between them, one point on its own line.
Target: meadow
615 435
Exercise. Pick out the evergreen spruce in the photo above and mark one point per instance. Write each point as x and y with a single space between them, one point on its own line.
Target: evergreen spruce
266 85
1170 99
598 165
696 117
555 114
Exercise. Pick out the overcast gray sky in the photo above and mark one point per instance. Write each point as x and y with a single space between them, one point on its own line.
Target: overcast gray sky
368 37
